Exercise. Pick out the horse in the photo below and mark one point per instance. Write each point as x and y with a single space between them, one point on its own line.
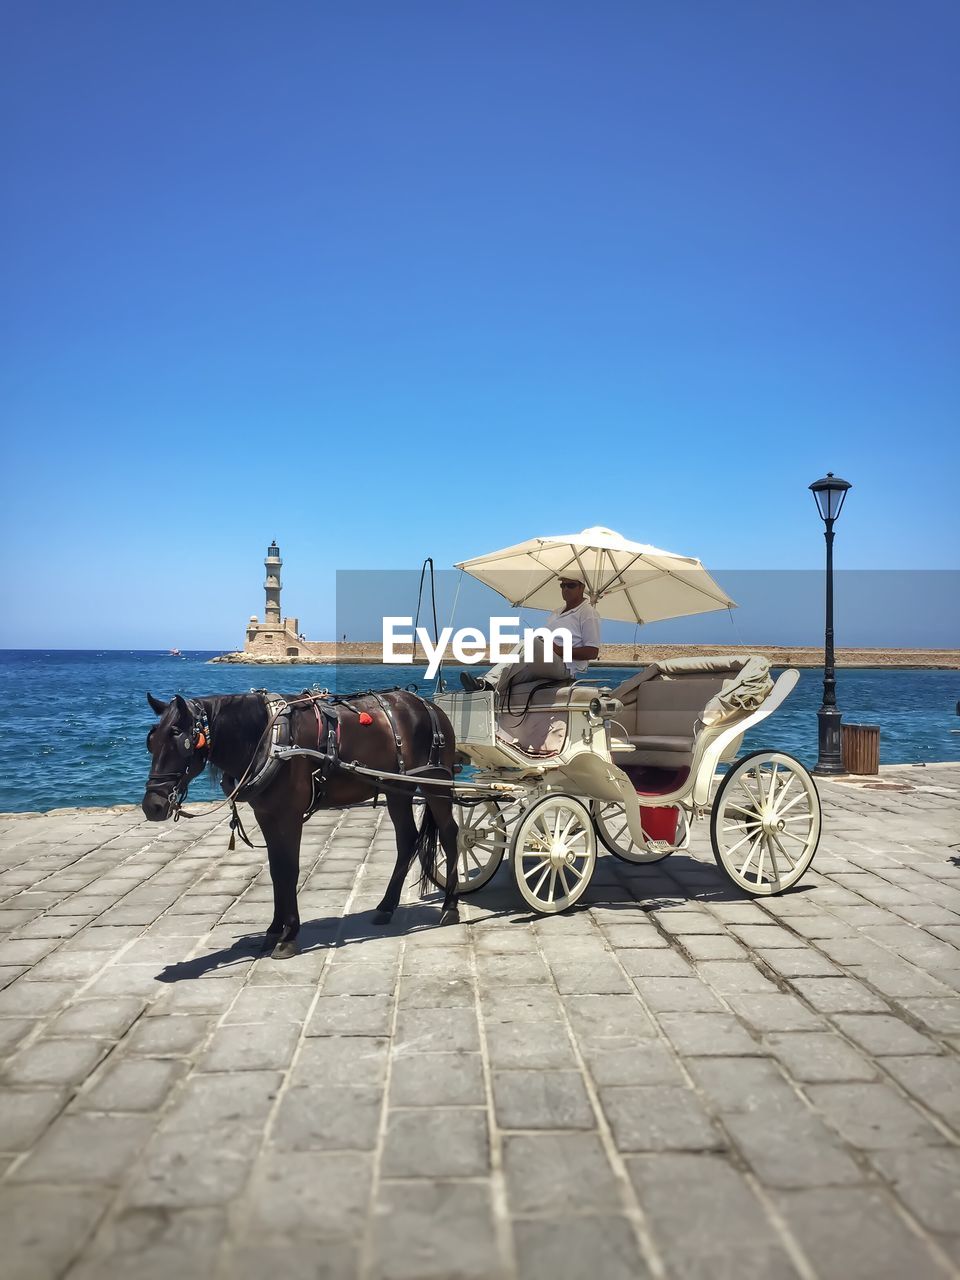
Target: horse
393 732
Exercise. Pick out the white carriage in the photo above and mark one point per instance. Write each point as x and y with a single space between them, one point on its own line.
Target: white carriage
558 766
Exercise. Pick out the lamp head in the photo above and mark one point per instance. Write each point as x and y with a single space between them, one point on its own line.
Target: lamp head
829 494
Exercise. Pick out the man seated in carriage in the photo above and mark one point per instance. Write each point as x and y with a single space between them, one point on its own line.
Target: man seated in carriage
576 615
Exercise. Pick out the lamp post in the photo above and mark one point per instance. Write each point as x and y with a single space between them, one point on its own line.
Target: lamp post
829 494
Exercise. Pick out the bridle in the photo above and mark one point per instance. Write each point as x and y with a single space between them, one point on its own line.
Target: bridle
173 786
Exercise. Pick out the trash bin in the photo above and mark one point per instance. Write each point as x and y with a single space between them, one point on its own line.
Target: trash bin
861 748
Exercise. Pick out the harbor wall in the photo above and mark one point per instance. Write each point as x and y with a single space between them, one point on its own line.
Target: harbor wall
358 653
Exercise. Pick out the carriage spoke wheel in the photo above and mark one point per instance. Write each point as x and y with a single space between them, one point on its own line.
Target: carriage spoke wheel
610 820
481 844
765 824
554 851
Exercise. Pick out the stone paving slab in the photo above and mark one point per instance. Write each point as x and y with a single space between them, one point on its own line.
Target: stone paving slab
672 1080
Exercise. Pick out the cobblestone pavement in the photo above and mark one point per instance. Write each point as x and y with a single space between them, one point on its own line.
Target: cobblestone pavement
673 1081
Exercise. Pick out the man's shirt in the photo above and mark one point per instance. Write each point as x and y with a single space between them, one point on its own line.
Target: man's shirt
584 627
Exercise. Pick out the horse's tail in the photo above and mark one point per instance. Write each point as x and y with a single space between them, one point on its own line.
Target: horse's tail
426 848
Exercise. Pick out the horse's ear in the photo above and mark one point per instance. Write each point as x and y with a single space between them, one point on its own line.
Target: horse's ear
181 705
156 705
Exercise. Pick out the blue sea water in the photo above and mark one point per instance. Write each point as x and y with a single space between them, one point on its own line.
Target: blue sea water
73 723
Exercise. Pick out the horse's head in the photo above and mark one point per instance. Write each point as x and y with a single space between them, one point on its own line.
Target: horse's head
179 745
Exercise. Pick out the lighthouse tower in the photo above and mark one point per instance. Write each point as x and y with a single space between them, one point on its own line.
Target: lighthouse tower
276 636
271 585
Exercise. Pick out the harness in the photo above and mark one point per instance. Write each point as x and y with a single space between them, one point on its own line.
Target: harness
328 747
391 721
327 707
275 748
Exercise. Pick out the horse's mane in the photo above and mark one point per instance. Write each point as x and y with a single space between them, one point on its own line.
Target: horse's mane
245 713
242 715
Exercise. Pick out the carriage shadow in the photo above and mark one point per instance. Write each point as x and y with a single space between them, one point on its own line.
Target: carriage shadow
628 887
616 888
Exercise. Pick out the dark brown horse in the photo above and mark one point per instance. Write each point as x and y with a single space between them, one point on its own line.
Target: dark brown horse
390 732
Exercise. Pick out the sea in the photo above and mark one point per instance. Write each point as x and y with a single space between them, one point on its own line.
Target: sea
73 723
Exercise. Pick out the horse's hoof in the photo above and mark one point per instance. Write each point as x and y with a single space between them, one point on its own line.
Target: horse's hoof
286 950
450 916
382 917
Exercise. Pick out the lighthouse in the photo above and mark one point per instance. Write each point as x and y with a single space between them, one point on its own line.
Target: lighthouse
271 585
276 637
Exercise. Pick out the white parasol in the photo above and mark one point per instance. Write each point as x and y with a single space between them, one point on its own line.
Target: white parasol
626 581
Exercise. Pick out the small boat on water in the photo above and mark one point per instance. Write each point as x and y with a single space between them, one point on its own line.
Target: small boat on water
174 653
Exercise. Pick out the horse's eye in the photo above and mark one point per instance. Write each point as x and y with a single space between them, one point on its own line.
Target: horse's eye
150 740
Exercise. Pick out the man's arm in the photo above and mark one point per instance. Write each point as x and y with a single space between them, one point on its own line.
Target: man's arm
579 652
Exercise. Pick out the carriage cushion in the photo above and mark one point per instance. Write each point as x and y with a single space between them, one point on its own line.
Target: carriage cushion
745 682
521 725
576 694
526 673
539 733
661 715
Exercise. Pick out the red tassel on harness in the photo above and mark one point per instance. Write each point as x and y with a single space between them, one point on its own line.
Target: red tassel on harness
365 717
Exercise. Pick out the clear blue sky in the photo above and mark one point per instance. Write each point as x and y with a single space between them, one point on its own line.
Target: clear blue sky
389 280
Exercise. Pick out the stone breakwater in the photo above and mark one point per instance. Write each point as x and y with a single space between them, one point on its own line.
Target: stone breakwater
632 655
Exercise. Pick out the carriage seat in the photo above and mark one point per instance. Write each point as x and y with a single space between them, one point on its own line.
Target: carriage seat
666 706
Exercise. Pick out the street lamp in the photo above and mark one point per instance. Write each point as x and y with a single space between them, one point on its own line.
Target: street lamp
830 494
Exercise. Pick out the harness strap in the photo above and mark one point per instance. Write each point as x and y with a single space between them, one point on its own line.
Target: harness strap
439 741
201 727
385 707
235 826
328 739
437 744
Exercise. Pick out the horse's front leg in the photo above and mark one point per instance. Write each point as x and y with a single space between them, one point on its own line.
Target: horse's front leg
282 833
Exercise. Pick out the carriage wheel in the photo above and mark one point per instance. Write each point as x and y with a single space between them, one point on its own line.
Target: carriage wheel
610 820
481 844
765 824
554 851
